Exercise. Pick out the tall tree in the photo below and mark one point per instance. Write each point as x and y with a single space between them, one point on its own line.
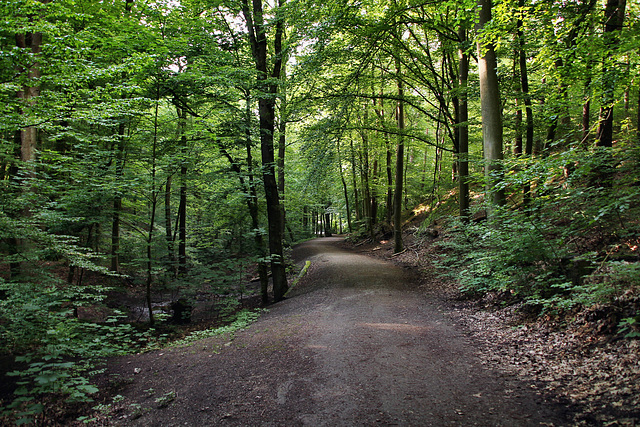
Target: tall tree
267 83
398 245
489 105
614 18
463 124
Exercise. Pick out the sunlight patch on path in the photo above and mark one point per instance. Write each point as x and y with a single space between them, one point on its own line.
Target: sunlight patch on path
396 327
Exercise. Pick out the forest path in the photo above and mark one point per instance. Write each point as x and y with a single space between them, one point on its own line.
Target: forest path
354 345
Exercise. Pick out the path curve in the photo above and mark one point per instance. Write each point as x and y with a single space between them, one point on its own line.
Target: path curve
354 345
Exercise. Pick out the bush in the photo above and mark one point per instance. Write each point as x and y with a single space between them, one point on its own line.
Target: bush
559 248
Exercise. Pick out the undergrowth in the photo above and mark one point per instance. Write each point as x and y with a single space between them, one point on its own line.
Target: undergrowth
572 241
242 319
57 354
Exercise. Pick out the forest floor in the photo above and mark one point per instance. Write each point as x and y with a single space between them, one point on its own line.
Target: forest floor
362 340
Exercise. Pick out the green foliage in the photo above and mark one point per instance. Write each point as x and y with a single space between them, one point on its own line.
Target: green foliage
242 320
559 249
64 351
166 399
630 326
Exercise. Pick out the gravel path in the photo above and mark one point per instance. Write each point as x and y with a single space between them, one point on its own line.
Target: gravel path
353 345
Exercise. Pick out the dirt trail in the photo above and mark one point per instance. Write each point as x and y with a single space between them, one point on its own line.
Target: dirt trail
354 345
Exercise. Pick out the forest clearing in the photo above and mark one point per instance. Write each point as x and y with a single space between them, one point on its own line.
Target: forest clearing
165 163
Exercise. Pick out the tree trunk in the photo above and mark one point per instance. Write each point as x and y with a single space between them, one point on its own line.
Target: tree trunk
154 201
327 223
364 174
614 15
398 245
638 115
344 187
182 206
27 137
355 182
374 191
266 110
490 108
463 127
117 201
167 226
524 87
252 204
586 107
282 144
305 219
28 96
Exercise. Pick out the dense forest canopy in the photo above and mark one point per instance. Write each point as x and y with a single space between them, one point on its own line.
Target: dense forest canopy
184 146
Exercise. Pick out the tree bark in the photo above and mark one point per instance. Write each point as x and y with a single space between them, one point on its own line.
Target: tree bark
638 116
266 110
355 181
28 95
27 137
364 178
398 245
524 87
154 201
490 108
327 222
344 187
586 107
171 256
463 127
117 200
252 204
182 206
614 16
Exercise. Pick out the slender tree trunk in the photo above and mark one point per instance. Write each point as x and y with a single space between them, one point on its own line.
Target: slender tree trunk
398 245
638 115
614 15
154 202
266 110
586 107
344 187
389 171
407 162
518 147
463 127
388 163
27 137
182 206
28 95
355 182
281 180
314 221
374 191
524 87
327 223
364 174
167 227
252 204
305 219
490 108
282 144
117 200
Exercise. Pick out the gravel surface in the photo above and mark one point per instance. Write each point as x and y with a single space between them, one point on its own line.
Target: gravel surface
357 343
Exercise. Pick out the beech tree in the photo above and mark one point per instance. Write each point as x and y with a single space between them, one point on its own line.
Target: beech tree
267 81
614 18
490 105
